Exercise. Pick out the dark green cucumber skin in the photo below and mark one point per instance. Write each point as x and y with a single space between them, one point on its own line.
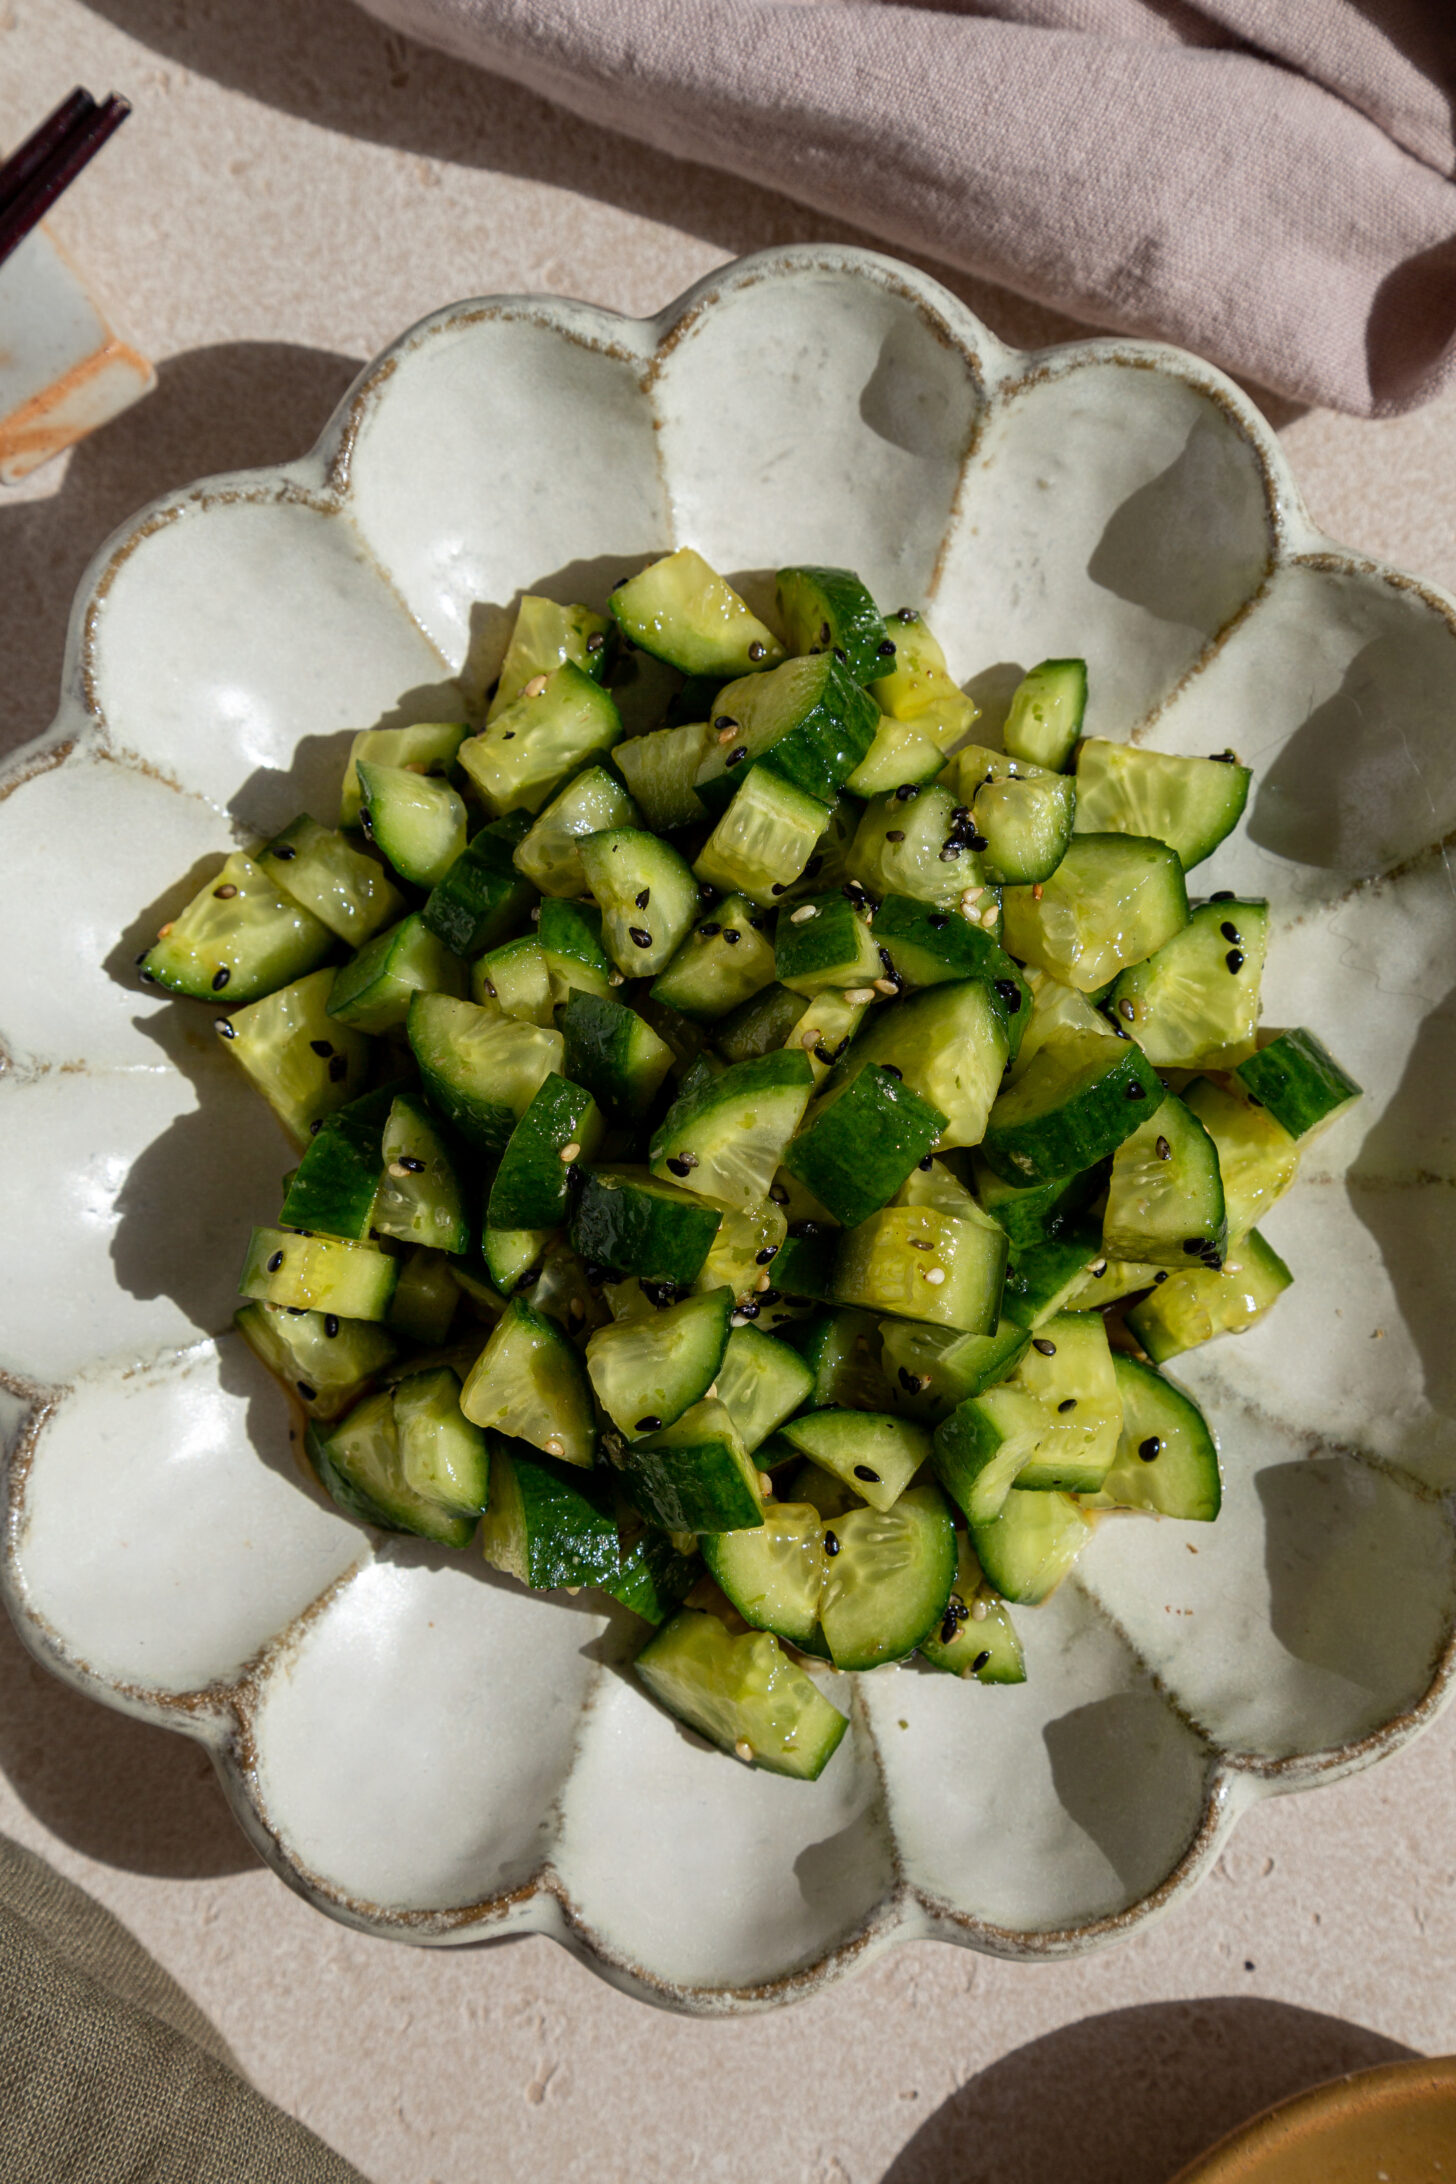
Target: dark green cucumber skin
600 1037
930 947
523 1194
571 1527
573 930
333 1186
804 1265
694 702
1298 1080
759 1024
1012 1148
830 610
660 1238
820 751
675 1488
482 895
484 1124
652 1578
1041 1210
807 947
786 1069
855 1156
1038 1271
453 1531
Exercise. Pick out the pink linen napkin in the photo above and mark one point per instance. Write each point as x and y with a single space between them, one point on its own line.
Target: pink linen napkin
1269 182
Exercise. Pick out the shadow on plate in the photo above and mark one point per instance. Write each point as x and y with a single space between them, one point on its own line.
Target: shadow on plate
1130 2097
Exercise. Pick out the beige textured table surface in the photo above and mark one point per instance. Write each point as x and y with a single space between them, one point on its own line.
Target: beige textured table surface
296 187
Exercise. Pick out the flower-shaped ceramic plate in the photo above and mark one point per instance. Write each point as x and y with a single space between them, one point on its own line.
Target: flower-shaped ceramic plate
420 1746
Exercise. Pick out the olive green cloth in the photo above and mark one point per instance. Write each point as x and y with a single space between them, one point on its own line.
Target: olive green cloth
108 2073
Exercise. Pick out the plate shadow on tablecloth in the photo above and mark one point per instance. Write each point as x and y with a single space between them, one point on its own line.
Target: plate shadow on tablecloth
1130 2097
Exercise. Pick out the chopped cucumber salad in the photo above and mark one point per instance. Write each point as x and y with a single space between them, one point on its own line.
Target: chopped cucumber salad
759 1167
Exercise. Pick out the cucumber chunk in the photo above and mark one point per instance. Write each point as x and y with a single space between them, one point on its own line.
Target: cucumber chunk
807 721
1021 812
480 1068
1029 1547
660 768
980 1450
829 610
530 1383
760 1383
425 747
610 1050
774 1573
695 1475
1257 1158
1195 1003
950 1046
923 1265
918 847
442 1456
425 1299
1032 1212
725 1139
532 1186
680 610
1069 1369
548 1524
1167 1460
652 1577
647 1372
743 1694
1189 803
373 993
305 1065
419 824
900 753
825 942
1079 1098
929 947
1193 1307
328 1363
1042 1278
511 1256
550 855
629 1220
889 1578
647 894
332 1189
1046 713
856 1146
570 934
724 961
931 1369
842 1351
876 1456
536 743
1055 1009
1299 1081
1165 1201
1114 899
482 896
361 1466
318 1273
239 935
977 1637
747 1240
516 977
919 687
333 878
544 636
1106 1280
825 1028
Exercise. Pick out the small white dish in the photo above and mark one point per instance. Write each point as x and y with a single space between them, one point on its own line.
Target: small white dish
419 1746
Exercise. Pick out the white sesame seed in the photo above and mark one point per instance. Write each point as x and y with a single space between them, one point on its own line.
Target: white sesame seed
979 1611
535 688
886 985
737 1319
571 1591
569 1153
935 1275
554 1448
765 1483
615 978
713 1390
971 895
805 910
809 1038
726 735
164 930
743 1750
762 1283
859 997
397 1167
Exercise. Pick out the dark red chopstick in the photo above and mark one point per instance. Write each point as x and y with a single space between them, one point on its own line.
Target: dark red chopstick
50 159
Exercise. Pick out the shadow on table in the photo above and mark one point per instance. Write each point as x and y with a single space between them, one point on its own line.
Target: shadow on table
1130 2097
231 407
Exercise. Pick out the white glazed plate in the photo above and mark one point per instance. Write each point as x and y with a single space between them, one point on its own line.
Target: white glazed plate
421 1747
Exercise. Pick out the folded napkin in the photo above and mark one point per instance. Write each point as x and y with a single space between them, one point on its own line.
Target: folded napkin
1269 182
108 2073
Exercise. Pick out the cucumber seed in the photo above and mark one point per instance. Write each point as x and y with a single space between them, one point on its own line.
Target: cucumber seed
644 898
1163 1149
1043 1346
1068 1403
831 1543
758 650
1127 1012
894 834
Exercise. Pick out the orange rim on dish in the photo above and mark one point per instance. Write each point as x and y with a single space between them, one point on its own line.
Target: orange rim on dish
1396 2121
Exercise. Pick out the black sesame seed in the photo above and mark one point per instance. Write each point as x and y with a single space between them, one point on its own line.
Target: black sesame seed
1163 1149
893 1069
1195 1246
825 633
757 650
595 642
1230 931
338 1068
823 1054
1068 1403
294 1311
886 651
1040 1342
769 1296
284 852
1225 894
813 868
220 979
644 898
415 1167
640 936
839 652
748 1307
725 720
1224 758
831 1544
731 936
1134 1092
366 826
1150 1448
322 1047
226 892
315 1126
306 1391
938 921
275 1262
950 853
762 1258
926 1164
960 814
143 957
1160 1276
980 1661
679 1165
1235 959
906 614
225 1027
649 1425
760 925
621 580
1010 993
976 841
909 1382
949 1627
331 1324
863 1471
1126 1010
709 927
530 1278
907 792
894 834
736 758
777 887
